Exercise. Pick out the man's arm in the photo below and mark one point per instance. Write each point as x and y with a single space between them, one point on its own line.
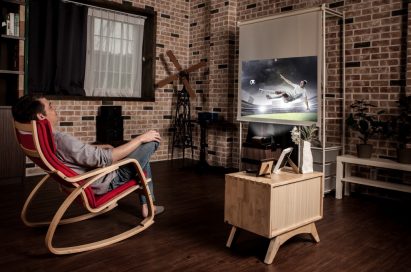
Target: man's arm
286 80
124 150
306 100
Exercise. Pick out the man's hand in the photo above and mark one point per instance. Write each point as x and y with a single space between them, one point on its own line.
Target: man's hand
149 136
124 150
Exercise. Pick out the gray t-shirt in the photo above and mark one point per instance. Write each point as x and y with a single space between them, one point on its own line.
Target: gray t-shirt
82 157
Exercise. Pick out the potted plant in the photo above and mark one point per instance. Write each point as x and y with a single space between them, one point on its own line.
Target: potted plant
304 137
401 129
366 124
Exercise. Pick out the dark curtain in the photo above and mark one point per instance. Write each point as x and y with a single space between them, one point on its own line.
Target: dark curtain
57 47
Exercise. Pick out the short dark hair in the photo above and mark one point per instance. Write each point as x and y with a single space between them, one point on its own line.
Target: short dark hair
305 82
27 108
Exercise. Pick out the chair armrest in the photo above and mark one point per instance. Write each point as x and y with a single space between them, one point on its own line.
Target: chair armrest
103 170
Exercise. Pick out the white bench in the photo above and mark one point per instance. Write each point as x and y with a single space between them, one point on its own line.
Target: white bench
344 174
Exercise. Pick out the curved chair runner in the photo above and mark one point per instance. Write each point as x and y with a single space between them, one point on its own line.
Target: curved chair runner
37 141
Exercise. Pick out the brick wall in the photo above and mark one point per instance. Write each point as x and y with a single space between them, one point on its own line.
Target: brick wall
79 117
376 69
376 46
212 37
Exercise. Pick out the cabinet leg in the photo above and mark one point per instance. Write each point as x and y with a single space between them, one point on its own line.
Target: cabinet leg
231 237
314 233
277 241
275 244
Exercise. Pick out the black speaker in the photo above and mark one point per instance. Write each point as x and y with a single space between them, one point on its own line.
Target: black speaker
110 111
109 124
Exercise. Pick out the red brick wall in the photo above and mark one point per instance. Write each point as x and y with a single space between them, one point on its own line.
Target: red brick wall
212 37
78 117
376 69
376 50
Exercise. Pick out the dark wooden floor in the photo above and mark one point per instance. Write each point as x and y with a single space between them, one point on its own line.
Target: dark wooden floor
357 233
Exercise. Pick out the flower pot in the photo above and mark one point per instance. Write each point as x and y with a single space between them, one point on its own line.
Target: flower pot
404 155
364 151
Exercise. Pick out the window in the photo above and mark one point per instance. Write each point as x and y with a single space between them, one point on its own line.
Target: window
95 50
114 54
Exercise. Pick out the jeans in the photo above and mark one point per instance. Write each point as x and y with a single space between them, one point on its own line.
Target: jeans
142 154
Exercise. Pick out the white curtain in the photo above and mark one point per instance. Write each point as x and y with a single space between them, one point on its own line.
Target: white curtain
114 54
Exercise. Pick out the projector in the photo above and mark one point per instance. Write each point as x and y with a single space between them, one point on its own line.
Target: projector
259 140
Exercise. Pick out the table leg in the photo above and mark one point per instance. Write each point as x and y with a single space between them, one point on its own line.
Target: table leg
231 237
277 241
338 182
275 244
347 185
314 233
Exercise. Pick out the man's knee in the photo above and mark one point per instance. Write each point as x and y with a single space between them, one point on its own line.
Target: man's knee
156 145
152 146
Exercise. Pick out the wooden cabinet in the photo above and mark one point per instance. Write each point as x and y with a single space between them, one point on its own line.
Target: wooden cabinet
279 207
11 51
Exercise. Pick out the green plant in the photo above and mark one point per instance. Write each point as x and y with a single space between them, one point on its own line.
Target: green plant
401 124
364 121
309 133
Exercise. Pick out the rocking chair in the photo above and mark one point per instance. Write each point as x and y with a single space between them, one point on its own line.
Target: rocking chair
37 141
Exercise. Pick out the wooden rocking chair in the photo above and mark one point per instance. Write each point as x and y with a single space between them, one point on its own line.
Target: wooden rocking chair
37 141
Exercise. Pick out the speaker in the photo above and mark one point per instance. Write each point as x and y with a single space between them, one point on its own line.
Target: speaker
109 125
110 111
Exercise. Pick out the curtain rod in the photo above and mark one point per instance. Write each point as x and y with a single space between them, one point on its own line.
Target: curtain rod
110 10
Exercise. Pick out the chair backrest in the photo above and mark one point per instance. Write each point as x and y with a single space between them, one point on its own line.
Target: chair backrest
37 141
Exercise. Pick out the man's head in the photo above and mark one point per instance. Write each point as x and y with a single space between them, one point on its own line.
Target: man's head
303 83
30 108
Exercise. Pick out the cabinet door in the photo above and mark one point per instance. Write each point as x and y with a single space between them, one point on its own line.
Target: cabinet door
12 159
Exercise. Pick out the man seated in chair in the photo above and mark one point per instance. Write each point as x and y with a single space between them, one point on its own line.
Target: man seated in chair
82 157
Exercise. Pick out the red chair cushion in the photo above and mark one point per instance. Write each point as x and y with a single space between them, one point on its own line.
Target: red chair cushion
48 148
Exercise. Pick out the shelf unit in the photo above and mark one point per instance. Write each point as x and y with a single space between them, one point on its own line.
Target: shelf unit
12 160
12 54
332 145
325 157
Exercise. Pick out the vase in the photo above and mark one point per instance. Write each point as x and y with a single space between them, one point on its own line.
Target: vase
306 158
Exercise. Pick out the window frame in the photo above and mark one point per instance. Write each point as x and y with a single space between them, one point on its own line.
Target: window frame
148 52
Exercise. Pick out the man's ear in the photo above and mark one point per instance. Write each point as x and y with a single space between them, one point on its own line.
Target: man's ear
40 116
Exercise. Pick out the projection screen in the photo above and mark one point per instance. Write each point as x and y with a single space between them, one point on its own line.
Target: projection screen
280 68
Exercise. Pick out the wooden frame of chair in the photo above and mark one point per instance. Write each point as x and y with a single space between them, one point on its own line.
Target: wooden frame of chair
79 190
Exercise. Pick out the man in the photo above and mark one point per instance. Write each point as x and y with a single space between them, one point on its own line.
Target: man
297 91
82 157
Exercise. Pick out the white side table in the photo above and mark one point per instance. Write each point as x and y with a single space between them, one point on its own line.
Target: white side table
344 174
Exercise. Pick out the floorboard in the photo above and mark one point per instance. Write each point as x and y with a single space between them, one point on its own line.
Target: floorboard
358 233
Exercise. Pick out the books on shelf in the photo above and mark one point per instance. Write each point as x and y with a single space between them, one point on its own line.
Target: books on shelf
12 24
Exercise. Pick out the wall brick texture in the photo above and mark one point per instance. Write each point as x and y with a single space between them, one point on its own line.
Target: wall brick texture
378 62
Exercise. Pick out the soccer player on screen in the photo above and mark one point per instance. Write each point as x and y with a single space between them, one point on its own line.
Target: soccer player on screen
297 91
